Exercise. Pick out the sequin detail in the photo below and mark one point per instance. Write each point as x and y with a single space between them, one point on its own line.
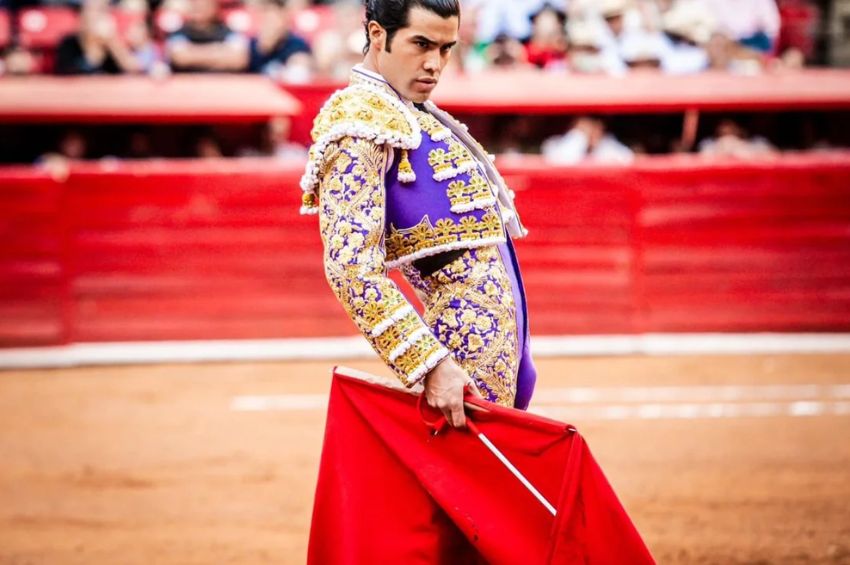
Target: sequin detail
351 222
425 239
470 308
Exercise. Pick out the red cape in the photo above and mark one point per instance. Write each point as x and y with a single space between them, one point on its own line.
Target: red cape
390 491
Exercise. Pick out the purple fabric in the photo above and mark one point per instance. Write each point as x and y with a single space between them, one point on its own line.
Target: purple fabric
527 373
408 203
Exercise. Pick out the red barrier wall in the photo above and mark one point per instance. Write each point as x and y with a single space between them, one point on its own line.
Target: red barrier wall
200 250
33 297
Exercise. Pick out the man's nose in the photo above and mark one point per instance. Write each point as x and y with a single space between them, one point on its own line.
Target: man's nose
432 61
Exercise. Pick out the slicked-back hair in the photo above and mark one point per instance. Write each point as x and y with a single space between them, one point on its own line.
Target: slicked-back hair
394 15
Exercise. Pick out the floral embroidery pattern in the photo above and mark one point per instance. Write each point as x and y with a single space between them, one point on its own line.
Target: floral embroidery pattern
366 109
470 307
425 238
351 222
475 194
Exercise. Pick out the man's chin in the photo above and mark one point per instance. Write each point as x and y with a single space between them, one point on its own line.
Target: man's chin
419 97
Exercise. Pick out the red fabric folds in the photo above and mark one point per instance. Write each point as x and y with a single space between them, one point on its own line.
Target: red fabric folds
390 491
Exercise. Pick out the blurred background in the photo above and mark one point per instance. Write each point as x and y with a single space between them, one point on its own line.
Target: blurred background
166 333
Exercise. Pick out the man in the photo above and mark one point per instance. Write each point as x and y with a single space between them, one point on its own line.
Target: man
96 48
276 51
398 183
205 43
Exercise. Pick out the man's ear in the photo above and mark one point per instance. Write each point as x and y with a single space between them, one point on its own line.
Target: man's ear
377 36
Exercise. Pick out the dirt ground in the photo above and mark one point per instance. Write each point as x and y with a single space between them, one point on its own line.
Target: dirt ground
151 465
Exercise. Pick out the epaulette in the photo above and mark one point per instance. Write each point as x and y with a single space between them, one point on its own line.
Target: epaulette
362 111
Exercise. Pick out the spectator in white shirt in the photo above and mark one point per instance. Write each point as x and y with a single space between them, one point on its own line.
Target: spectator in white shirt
752 23
587 141
731 140
688 26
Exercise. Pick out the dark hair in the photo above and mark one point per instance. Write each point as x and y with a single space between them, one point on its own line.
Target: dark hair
393 15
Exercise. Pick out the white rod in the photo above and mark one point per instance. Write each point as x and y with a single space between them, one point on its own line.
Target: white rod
517 474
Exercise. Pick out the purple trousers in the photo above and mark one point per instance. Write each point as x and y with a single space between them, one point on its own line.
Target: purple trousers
527 373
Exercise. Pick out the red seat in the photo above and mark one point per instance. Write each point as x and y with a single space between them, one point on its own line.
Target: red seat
5 29
44 28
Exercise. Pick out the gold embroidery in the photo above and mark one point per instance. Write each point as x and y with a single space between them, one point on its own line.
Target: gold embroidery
351 222
465 196
361 108
403 244
432 126
470 307
439 160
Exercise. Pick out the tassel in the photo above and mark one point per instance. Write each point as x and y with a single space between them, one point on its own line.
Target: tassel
405 169
309 203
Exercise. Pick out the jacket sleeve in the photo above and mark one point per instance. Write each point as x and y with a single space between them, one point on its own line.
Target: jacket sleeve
351 220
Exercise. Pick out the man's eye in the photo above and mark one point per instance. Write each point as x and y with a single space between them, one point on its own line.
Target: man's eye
422 44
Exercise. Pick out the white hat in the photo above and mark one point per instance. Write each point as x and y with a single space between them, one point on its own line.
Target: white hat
690 19
641 47
584 34
611 8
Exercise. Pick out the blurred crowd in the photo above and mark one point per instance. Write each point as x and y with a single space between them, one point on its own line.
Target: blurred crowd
297 41
616 36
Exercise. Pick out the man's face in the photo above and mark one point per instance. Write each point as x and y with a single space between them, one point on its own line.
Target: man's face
419 53
202 12
615 22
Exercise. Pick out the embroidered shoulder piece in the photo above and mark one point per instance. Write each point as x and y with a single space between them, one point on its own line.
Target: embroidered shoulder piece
362 111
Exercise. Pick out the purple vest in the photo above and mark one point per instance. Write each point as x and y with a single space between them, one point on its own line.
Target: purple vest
451 203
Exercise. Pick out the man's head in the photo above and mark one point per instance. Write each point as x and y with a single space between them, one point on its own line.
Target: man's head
274 17
409 42
202 13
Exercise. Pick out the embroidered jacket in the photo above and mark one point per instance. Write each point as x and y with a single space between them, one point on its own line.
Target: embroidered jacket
392 184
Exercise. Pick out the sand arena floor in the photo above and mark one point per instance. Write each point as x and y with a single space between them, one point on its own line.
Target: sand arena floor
144 465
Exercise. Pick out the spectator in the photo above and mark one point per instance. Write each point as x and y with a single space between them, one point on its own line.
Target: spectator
587 141
731 140
96 48
72 146
18 61
205 43
614 14
688 27
145 51
276 142
207 146
467 55
140 145
276 51
724 54
644 50
506 53
752 23
501 18
336 51
547 48
585 42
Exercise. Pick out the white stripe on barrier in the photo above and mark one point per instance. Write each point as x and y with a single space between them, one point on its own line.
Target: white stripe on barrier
298 349
697 411
698 402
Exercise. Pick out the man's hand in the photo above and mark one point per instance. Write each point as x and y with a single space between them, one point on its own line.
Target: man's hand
444 389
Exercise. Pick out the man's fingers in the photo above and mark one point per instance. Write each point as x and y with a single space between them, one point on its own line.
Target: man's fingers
458 418
472 387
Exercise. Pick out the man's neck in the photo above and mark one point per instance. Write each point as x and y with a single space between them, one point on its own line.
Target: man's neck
370 65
